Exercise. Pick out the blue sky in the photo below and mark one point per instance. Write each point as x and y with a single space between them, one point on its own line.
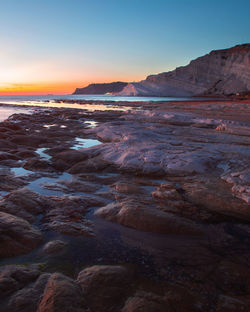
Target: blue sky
75 41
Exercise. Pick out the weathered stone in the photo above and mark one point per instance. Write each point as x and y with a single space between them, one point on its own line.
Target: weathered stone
15 277
136 215
23 203
9 182
54 246
28 140
75 228
145 302
62 294
232 278
38 165
17 235
93 164
231 304
105 287
182 300
71 156
27 298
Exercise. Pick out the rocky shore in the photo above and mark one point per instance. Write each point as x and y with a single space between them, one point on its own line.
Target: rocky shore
146 209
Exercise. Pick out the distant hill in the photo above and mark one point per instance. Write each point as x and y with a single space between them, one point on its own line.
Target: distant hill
101 88
221 72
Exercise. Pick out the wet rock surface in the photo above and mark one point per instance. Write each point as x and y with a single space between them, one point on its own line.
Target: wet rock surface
17 235
105 287
54 246
136 215
62 293
150 214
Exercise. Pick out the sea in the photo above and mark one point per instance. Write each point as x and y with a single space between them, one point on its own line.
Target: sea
28 102
105 97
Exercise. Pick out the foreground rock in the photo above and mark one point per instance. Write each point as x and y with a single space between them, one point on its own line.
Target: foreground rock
67 215
23 203
138 216
54 246
27 298
8 182
64 214
105 287
159 152
25 288
240 182
228 304
13 278
146 302
62 294
17 235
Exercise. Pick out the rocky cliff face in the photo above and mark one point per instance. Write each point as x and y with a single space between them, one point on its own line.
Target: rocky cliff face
221 72
101 88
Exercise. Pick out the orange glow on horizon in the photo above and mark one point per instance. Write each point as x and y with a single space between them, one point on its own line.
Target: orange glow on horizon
39 88
51 88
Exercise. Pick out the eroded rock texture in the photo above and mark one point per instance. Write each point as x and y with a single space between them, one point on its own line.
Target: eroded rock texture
219 72
155 217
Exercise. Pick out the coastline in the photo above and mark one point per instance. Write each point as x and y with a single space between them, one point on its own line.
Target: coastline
155 196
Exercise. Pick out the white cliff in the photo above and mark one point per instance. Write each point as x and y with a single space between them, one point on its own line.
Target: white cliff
221 72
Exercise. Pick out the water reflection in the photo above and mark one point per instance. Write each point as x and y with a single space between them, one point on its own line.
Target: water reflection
42 154
91 123
85 143
6 112
21 172
52 104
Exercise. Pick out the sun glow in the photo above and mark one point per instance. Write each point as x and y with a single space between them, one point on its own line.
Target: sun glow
37 88
24 74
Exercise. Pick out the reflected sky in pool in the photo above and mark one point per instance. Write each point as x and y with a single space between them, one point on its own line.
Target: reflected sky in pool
85 143
42 154
21 172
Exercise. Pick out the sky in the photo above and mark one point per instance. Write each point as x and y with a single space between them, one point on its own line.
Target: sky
52 46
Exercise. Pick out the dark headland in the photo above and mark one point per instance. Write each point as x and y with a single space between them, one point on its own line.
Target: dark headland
102 88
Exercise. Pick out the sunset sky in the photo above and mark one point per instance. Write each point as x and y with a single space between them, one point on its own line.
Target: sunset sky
52 46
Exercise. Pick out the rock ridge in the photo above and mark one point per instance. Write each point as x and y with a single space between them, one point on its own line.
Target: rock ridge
221 72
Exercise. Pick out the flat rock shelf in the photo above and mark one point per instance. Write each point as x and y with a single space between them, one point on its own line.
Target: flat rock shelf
145 208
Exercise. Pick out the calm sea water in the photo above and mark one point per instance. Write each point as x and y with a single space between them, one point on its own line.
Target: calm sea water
42 98
50 101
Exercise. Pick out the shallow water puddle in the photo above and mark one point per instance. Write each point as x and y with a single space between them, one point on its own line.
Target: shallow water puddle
49 126
51 186
6 112
62 104
42 154
54 125
20 172
3 193
37 185
85 143
91 123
